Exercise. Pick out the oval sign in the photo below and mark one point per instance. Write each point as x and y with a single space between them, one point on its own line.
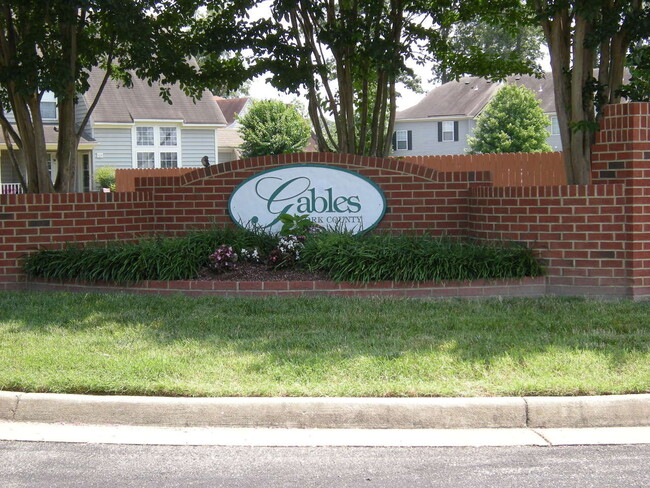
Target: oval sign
334 198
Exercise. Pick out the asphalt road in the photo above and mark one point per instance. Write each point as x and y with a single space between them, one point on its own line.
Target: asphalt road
35 464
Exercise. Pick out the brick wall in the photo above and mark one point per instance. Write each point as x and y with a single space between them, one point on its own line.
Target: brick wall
594 239
419 198
28 222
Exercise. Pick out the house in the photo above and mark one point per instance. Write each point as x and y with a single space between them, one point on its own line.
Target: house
132 128
229 138
441 122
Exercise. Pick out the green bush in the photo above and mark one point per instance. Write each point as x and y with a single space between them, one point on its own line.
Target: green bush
155 258
105 177
365 258
379 257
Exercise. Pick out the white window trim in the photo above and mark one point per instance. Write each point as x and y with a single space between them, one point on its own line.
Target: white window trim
452 131
156 148
557 124
405 140
49 97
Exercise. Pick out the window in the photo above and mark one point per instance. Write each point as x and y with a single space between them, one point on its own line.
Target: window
146 160
402 139
144 136
156 147
168 136
52 166
555 126
48 106
168 160
448 130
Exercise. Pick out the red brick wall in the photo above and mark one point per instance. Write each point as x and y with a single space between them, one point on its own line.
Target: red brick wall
622 154
595 239
28 222
419 199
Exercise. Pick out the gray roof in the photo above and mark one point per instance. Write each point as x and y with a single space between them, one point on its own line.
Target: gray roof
230 107
51 133
468 96
119 104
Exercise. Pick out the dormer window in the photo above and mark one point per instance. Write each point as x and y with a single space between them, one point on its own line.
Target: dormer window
48 106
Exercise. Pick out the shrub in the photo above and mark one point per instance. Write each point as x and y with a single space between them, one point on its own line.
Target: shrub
379 257
105 177
361 258
156 258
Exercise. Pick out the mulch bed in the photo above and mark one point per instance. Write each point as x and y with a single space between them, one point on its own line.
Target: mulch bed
261 272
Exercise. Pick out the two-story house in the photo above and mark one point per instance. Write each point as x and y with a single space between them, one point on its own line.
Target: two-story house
132 128
441 122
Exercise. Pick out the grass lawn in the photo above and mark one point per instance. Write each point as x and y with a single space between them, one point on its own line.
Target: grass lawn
151 345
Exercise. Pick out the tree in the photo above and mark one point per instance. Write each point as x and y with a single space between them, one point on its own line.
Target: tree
512 121
51 47
638 89
272 127
347 56
582 34
509 42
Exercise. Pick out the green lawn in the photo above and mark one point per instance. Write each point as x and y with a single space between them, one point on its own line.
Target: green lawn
150 345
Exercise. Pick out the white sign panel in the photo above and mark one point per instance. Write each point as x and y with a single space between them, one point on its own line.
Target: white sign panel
332 197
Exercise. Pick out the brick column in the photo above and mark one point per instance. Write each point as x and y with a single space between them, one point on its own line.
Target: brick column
622 155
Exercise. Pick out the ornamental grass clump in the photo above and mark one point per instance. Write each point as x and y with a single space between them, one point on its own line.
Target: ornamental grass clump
154 258
386 257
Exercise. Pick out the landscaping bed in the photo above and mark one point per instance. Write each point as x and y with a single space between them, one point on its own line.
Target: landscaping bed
242 255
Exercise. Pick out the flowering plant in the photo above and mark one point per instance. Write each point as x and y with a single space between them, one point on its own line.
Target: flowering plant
287 252
250 255
223 259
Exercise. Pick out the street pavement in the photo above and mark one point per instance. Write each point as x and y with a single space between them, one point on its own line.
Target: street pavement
53 465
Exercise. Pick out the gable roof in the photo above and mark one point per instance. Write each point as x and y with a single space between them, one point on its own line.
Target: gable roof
468 96
231 107
119 104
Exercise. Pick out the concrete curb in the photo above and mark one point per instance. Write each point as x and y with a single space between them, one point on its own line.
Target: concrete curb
329 413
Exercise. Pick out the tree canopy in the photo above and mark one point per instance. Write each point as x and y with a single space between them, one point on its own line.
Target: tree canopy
272 127
512 121
51 47
477 41
347 57
581 35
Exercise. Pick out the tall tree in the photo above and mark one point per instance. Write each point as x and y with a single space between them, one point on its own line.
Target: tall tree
348 55
506 41
51 46
581 35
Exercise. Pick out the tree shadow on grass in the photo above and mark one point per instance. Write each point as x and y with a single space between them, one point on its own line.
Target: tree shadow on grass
321 335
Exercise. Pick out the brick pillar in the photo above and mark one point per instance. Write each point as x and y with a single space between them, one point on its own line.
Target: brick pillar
622 155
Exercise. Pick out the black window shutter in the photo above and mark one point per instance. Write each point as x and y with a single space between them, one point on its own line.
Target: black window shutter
455 130
394 140
410 140
439 131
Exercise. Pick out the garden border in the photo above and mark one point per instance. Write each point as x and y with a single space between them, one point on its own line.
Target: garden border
518 287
